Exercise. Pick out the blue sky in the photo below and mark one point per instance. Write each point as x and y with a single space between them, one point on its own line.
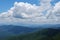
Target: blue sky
20 12
7 4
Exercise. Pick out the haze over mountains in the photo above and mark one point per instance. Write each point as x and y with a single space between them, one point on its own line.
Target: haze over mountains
15 30
11 31
25 21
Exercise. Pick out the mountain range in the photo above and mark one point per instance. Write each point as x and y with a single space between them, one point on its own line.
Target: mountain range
11 30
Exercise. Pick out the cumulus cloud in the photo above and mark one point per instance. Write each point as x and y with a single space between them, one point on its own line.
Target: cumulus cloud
26 13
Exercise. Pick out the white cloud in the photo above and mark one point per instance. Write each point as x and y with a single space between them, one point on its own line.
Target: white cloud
25 13
54 13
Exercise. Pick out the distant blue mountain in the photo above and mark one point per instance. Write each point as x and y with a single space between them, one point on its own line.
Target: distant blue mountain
12 29
15 30
9 30
21 29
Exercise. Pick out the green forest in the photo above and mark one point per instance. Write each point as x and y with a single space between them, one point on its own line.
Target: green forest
44 34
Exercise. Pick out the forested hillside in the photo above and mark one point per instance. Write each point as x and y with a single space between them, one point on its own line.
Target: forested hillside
44 34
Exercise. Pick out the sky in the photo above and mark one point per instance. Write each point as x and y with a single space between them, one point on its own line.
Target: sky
10 3
22 12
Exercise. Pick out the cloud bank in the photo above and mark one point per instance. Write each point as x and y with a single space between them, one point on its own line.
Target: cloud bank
26 13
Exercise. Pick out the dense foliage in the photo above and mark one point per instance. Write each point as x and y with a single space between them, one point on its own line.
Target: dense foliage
44 34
